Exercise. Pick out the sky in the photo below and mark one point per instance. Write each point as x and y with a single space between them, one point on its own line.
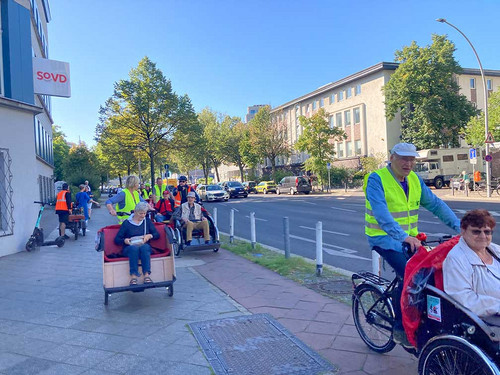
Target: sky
228 55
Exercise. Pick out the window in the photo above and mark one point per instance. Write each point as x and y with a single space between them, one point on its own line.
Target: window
462 157
340 150
472 83
6 206
340 96
330 121
348 149
43 143
357 90
357 147
1 59
489 85
347 118
447 158
314 105
357 117
338 119
322 102
332 98
348 93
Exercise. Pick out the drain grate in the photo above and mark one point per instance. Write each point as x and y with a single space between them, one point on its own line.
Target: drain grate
333 287
256 345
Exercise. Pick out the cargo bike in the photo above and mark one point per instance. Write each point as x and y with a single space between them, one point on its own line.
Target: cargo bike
116 271
447 338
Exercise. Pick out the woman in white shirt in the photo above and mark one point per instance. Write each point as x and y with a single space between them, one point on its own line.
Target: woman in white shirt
471 271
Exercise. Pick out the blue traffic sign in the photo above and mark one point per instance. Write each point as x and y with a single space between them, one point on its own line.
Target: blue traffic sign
472 153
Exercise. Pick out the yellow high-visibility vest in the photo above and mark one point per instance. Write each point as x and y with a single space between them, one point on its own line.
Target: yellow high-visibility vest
130 203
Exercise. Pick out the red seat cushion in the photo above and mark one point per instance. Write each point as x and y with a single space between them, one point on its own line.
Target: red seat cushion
113 252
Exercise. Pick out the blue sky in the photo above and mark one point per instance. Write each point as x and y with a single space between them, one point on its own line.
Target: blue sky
228 55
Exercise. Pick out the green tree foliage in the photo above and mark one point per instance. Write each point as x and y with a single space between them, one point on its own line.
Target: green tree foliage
238 149
81 164
317 140
372 163
61 150
268 137
145 114
424 91
474 131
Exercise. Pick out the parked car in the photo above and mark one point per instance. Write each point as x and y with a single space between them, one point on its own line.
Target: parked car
266 187
293 185
250 186
235 189
212 193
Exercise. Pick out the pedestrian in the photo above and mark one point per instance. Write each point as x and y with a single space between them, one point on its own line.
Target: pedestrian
63 205
89 192
83 199
394 195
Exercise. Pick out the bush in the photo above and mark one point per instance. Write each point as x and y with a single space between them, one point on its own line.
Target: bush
280 174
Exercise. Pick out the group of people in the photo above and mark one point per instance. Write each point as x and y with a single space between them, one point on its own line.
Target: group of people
471 270
64 205
131 206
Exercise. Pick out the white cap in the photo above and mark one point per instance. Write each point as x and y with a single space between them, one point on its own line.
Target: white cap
191 194
405 149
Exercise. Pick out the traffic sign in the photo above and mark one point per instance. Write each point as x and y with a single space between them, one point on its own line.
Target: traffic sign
488 158
489 138
328 166
472 156
166 166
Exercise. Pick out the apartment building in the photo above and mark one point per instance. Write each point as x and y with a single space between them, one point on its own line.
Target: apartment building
252 111
356 104
26 158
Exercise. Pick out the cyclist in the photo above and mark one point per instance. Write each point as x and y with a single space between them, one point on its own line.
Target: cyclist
393 197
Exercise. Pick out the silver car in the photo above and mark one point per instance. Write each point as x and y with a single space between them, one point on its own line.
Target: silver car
210 193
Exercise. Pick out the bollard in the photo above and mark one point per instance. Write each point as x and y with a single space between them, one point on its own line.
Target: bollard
376 261
231 226
286 234
319 248
215 216
252 229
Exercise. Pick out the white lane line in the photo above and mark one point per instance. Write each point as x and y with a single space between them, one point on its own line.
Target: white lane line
258 218
343 209
428 222
342 252
324 230
340 197
307 202
354 204
461 211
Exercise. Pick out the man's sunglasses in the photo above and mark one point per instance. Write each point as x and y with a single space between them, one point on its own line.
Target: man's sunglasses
477 232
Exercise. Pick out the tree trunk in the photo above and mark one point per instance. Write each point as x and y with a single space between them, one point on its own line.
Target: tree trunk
240 166
217 172
120 178
152 169
273 168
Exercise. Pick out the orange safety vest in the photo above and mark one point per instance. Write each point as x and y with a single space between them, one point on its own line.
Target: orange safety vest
61 204
178 196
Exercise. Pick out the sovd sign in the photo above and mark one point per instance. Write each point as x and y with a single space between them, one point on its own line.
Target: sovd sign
51 77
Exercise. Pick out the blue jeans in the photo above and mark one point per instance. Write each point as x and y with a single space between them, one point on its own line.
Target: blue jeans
134 253
159 218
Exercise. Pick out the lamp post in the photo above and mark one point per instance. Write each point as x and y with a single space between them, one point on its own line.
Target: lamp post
486 131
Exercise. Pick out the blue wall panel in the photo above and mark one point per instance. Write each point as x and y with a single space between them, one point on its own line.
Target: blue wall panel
18 64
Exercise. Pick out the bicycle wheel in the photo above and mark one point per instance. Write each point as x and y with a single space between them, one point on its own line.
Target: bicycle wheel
498 189
450 356
31 244
373 318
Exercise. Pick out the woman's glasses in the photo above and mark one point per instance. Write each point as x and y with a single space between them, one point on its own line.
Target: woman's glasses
477 232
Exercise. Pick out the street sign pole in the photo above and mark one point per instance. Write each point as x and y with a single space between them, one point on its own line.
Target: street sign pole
329 166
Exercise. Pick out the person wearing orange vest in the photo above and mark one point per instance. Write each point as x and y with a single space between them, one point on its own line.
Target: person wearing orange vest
182 190
63 205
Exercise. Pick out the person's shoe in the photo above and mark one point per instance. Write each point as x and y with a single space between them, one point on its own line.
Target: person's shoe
207 242
66 237
188 243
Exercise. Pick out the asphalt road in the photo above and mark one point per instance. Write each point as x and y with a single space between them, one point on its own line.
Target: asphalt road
344 243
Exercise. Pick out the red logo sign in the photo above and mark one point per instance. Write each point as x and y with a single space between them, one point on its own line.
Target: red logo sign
46 76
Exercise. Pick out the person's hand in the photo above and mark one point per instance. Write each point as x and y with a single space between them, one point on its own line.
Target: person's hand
413 242
112 211
126 241
147 237
203 218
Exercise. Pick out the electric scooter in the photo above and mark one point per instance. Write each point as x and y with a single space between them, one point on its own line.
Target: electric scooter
36 239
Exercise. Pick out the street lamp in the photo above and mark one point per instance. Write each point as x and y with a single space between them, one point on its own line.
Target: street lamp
487 145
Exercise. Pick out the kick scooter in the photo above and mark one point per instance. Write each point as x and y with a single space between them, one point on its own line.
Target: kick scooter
36 239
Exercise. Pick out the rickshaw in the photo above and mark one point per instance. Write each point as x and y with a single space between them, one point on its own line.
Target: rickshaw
447 338
116 273
76 222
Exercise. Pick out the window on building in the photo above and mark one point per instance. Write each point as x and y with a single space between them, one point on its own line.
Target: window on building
6 205
347 117
338 119
348 92
472 83
340 150
357 147
489 84
330 121
322 102
314 105
332 98
348 149
1 63
357 117
357 90
340 96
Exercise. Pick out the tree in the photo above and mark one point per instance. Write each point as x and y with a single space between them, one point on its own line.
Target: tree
215 133
268 136
145 114
238 151
79 165
474 131
61 149
424 90
317 140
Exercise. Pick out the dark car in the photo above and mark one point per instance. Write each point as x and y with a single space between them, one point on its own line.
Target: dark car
293 185
250 186
235 189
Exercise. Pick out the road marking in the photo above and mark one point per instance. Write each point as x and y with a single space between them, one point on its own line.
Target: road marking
342 252
257 218
354 204
308 202
324 230
340 197
343 209
428 222
460 211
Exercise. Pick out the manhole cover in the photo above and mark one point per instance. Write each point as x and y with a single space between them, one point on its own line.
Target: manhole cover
256 345
333 287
